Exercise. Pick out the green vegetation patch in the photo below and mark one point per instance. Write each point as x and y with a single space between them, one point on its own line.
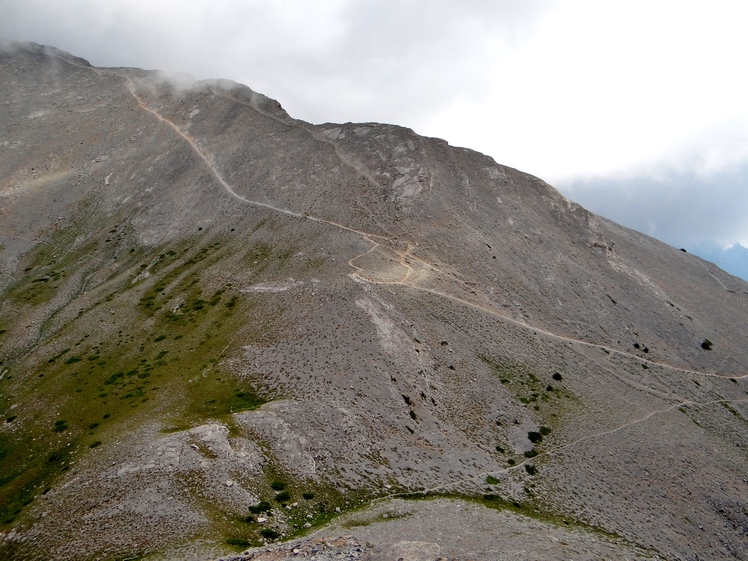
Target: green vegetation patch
298 508
531 508
47 267
531 389
169 354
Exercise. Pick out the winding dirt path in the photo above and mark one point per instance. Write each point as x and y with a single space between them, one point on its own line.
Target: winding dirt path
376 240
445 487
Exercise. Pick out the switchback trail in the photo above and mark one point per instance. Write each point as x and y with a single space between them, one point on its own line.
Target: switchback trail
403 254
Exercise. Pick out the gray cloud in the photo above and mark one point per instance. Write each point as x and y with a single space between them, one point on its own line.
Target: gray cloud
682 208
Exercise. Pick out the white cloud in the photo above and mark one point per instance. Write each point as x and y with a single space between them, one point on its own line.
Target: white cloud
606 86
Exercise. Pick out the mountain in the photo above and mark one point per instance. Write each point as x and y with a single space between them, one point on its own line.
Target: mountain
222 327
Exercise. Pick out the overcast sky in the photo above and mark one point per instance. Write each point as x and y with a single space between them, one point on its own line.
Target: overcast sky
635 109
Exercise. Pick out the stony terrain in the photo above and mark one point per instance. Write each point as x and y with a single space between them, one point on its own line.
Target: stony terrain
222 327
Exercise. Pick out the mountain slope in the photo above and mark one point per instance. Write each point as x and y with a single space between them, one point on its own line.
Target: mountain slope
211 309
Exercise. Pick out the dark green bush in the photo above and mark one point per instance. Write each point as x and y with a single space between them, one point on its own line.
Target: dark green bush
707 345
264 506
277 485
113 378
491 480
530 454
238 542
531 469
283 497
308 496
534 437
269 534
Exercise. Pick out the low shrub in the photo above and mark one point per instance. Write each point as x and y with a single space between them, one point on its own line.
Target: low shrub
534 437
263 506
269 534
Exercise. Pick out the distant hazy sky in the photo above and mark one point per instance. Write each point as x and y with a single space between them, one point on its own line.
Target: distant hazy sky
636 109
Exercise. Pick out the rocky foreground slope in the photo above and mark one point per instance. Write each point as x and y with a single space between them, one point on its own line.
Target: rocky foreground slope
222 327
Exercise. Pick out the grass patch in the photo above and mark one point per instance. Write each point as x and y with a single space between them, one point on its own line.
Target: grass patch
160 357
529 389
153 335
